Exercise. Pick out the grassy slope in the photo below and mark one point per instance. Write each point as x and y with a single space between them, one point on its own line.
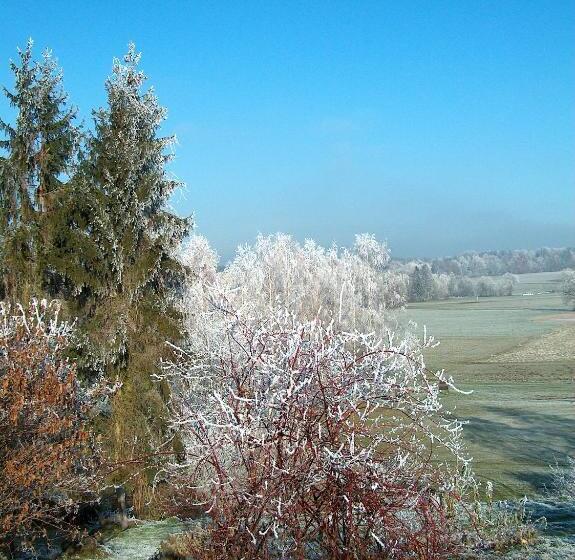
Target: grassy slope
517 353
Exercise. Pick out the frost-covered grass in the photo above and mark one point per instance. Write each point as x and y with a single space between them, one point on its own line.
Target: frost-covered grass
538 282
507 316
556 346
513 352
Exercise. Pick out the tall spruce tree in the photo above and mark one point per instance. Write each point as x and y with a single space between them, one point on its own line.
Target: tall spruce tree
40 151
118 258
421 284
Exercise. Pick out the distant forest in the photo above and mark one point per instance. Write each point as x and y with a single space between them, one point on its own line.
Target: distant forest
474 274
496 263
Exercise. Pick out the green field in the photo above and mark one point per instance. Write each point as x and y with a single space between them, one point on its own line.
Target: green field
517 354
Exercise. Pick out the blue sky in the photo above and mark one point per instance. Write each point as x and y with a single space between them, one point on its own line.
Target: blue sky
439 126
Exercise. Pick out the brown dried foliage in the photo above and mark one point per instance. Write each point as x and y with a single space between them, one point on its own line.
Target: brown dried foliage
47 456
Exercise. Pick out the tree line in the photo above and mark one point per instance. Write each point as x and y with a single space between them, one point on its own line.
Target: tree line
497 263
424 285
475 274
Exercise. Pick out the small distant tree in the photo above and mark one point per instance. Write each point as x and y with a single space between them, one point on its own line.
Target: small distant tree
485 287
568 287
421 286
440 286
48 458
506 284
461 286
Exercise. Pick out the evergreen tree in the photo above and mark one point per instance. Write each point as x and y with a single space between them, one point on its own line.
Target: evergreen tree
96 232
39 153
421 285
117 258
428 285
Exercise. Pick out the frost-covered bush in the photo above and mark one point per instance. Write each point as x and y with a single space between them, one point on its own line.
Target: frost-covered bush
564 481
308 426
300 437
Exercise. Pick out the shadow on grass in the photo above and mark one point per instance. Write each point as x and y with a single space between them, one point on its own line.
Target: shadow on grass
527 442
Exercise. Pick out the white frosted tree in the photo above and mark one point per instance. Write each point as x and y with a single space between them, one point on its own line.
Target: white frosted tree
352 287
568 287
301 437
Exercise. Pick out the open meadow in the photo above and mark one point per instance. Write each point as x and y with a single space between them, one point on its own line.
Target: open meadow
517 354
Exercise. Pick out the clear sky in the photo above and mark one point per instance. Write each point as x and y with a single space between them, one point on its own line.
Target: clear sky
439 126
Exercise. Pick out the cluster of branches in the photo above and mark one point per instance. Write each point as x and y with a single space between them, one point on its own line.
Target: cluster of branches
497 263
48 458
304 440
84 218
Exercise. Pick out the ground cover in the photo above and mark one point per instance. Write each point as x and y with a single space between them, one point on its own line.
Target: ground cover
517 354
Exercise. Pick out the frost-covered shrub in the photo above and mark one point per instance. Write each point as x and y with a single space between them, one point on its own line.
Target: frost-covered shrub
492 528
564 481
310 426
301 438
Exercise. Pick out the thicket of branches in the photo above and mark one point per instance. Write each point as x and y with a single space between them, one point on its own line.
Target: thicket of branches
49 460
310 427
303 440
